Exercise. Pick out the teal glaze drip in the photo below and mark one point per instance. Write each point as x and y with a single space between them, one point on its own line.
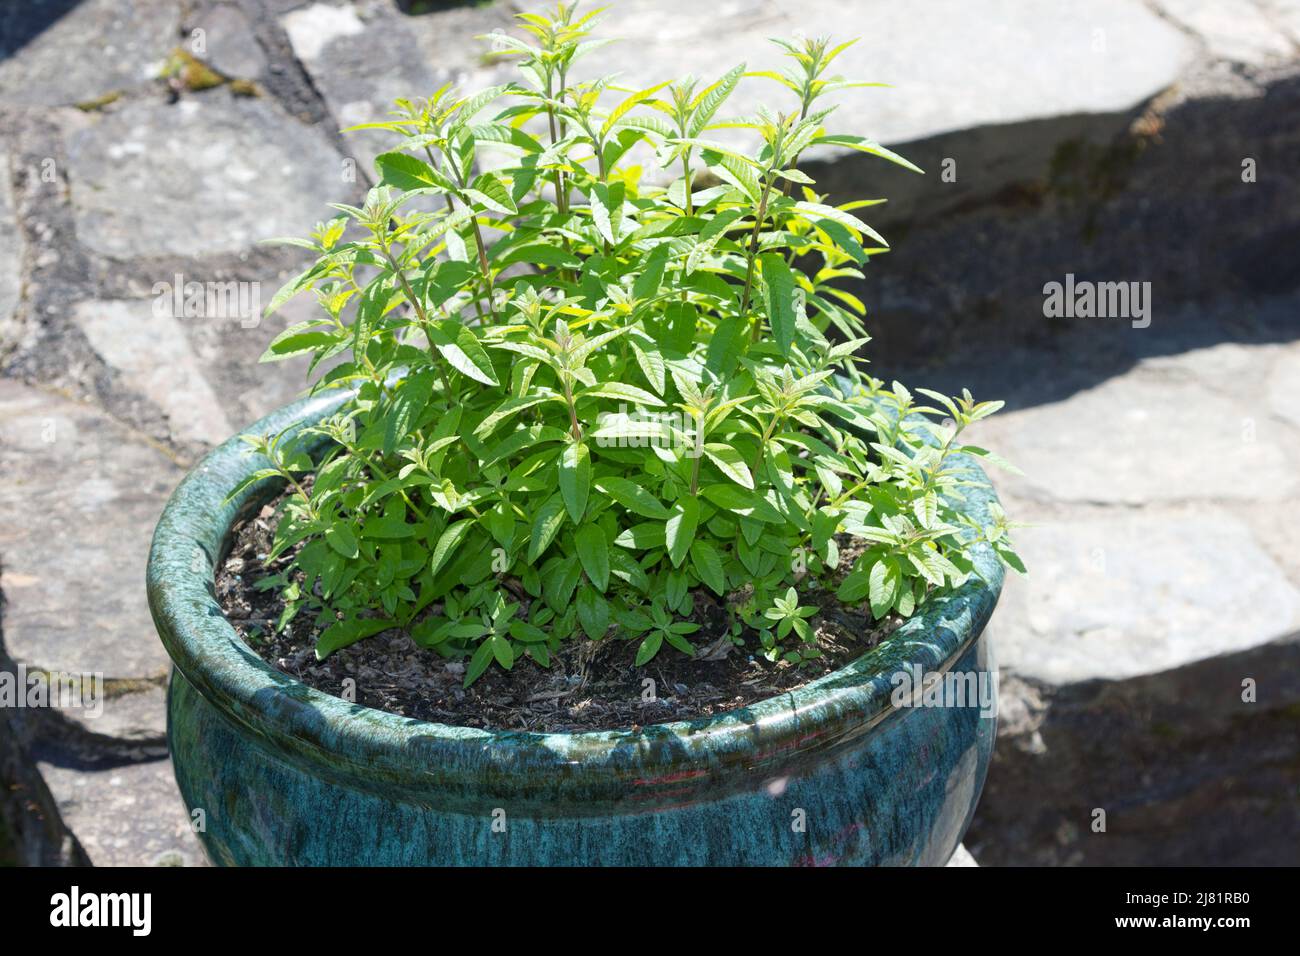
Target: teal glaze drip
287 775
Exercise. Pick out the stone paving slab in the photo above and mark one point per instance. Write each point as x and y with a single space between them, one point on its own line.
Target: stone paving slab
227 349
1238 30
118 44
148 346
129 722
1285 14
962 857
1056 60
1137 439
1182 767
1100 58
214 173
230 41
77 509
1103 58
1115 596
130 815
1283 388
11 252
339 50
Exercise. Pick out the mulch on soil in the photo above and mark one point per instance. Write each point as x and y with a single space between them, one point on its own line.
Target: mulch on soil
590 685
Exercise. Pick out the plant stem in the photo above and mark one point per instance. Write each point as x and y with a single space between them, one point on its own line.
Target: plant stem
561 194
762 444
487 269
574 427
752 253
699 453
423 317
686 175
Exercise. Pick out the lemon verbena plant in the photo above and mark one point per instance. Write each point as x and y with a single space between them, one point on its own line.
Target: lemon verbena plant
603 364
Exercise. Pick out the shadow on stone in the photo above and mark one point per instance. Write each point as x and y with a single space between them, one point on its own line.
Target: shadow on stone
23 22
1186 772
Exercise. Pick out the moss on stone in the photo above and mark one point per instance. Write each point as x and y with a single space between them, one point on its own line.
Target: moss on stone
192 73
99 102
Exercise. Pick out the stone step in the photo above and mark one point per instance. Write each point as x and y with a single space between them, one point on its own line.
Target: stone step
1150 661
1101 61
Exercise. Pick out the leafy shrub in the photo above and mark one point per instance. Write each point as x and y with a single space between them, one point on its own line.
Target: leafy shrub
583 396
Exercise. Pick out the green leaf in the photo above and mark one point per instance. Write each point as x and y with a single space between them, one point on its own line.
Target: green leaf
727 345
707 102
743 504
459 347
735 169
489 190
575 479
638 97
406 172
649 647
884 581
926 509
478 663
730 462
597 342
679 532
674 637
448 542
642 537
291 288
864 145
523 438
817 211
593 552
607 211
340 537
293 341
991 458
1011 558
652 273
593 613
502 651
707 564
527 633
652 367
539 253
843 239
854 587
632 497
779 286
349 631
412 396
546 525
509 408
621 392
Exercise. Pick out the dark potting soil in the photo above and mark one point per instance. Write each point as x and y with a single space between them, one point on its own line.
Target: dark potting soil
590 685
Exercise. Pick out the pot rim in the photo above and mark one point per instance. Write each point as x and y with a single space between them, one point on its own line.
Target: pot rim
373 747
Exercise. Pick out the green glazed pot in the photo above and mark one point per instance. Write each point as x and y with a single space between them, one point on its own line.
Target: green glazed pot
832 773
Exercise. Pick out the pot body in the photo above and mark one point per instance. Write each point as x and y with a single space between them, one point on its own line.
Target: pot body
901 793
849 769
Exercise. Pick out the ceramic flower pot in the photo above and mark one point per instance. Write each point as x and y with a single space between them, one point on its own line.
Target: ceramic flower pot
835 772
